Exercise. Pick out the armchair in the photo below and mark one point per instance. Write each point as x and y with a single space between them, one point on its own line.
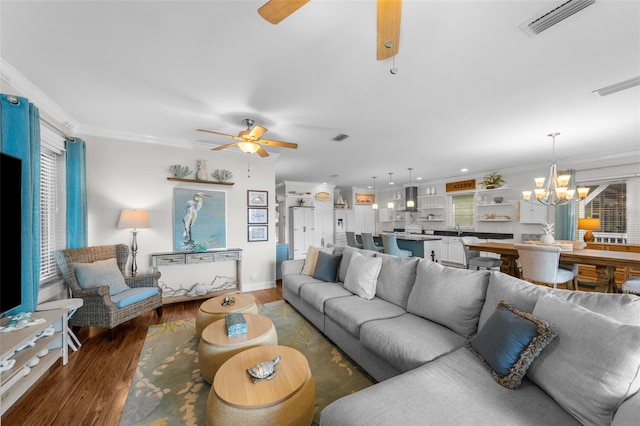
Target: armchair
100 309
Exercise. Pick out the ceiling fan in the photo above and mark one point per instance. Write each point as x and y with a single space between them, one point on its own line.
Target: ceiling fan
389 13
249 140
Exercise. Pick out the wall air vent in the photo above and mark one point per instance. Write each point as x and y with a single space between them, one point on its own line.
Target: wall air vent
623 85
551 18
340 137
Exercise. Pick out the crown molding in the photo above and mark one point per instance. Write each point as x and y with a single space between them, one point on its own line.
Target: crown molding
49 110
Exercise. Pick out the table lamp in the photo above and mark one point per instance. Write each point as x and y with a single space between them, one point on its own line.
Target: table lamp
588 224
133 219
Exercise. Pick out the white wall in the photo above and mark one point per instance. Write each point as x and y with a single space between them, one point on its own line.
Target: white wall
124 174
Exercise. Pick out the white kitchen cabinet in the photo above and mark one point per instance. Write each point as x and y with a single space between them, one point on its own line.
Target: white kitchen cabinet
451 250
533 212
385 214
301 230
365 218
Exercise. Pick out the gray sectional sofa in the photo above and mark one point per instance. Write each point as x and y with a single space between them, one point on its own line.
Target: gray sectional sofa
429 334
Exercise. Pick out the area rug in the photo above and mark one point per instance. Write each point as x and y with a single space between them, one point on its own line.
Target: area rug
167 388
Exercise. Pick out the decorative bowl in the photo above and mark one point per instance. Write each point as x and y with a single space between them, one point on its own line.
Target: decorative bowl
497 200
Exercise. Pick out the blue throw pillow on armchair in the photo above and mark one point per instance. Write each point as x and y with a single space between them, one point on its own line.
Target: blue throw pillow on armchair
327 267
509 342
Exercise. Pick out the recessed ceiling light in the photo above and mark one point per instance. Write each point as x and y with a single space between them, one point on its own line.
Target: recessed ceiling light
419 178
464 170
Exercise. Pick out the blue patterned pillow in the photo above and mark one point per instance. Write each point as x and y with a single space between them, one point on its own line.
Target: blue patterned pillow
327 267
509 342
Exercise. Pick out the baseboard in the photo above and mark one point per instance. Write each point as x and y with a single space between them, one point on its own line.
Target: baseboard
258 286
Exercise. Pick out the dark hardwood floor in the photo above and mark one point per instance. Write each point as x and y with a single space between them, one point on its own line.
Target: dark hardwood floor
92 388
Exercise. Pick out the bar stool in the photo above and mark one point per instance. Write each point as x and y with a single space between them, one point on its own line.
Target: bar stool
369 244
390 245
72 305
352 241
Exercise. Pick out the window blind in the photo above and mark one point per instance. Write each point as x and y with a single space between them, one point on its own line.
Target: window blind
52 210
462 210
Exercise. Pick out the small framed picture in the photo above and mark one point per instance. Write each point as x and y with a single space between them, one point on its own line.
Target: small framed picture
258 233
258 215
257 198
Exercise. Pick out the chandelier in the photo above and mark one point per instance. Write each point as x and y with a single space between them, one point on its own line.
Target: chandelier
556 192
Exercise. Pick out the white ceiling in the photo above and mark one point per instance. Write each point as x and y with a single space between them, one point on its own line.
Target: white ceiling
473 90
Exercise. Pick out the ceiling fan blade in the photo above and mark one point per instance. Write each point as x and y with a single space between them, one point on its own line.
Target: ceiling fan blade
278 143
221 147
275 11
216 133
256 132
262 153
389 13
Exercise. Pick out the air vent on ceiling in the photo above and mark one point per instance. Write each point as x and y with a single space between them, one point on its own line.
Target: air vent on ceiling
340 137
623 85
551 18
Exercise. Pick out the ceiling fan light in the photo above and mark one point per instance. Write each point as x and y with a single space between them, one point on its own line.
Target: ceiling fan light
248 147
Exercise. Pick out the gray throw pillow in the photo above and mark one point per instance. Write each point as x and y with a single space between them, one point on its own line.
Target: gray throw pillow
593 365
101 272
362 275
327 267
509 343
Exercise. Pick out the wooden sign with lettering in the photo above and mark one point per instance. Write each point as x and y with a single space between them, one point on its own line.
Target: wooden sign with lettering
463 185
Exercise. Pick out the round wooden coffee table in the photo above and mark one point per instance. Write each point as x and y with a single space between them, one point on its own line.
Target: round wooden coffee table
216 347
212 310
287 399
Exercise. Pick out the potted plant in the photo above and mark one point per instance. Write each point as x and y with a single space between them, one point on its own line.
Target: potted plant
492 180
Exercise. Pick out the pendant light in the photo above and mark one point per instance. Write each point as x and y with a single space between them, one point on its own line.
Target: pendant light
390 203
410 203
374 206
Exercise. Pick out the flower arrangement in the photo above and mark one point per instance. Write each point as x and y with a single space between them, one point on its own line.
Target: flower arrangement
492 180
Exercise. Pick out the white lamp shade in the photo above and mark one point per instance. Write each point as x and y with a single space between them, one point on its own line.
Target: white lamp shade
132 218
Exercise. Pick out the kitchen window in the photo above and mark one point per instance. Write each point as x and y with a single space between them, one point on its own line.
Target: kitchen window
462 210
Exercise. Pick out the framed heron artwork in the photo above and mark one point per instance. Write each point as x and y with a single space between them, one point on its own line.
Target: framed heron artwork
199 220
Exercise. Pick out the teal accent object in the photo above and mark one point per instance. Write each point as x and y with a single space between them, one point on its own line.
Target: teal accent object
133 295
235 323
76 193
20 137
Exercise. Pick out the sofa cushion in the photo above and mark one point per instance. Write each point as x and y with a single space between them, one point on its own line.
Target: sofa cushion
133 295
452 390
592 366
362 275
449 296
396 278
624 308
408 341
327 267
293 283
312 258
347 253
352 311
509 342
316 295
101 272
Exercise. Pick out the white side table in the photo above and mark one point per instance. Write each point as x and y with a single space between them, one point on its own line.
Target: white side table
72 306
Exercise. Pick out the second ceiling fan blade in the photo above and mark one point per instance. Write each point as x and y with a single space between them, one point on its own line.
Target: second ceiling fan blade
262 153
215 133
389 14
278 143
275 11
256 132
229 145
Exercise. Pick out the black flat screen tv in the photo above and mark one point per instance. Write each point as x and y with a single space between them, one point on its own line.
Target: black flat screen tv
10 233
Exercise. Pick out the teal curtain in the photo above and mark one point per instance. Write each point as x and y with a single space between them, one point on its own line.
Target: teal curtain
76 193
566 221
21 138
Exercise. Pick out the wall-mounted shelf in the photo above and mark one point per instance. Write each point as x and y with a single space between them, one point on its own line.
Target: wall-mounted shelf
210 182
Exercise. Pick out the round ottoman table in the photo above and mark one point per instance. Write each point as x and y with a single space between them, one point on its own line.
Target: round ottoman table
289 398
216 347
212 310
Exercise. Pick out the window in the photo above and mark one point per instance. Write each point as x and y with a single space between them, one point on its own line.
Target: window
52 202
608 202
462 210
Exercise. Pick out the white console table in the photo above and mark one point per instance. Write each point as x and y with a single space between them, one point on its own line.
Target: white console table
29 367
193 275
